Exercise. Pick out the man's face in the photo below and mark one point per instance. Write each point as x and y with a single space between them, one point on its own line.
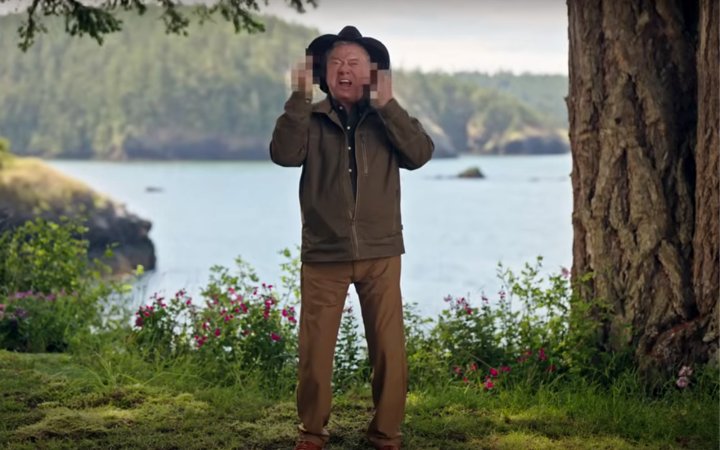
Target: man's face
348 70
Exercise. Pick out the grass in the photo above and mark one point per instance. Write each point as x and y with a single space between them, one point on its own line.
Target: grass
57 401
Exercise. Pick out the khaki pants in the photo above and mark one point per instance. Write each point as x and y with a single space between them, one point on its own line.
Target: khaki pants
324 287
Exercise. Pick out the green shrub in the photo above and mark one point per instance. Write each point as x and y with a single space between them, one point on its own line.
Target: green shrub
426 365
238 323
37 322
50 293
352 363
536 329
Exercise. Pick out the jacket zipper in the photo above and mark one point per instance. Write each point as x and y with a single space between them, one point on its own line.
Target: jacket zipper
353 212
357 185
364 154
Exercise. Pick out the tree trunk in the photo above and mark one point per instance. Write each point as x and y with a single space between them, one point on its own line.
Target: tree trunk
633 124
706 243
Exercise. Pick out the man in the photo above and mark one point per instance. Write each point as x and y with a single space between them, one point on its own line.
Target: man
351 146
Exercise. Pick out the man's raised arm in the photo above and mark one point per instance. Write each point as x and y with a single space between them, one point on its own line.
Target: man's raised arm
405 132
290 136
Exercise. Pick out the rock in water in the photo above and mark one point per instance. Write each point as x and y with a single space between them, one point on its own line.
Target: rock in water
471 172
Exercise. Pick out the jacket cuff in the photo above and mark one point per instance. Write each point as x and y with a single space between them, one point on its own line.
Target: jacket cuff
391 110
299 103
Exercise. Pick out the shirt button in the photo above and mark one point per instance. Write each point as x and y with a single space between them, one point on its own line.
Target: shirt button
348 128
349 170
349 148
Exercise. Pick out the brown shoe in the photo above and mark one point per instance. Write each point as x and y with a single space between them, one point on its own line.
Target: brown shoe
307 445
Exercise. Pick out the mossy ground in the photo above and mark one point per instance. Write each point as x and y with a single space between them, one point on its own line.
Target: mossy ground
54 401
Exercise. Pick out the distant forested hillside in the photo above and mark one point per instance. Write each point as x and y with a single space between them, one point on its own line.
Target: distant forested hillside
216 94
543 93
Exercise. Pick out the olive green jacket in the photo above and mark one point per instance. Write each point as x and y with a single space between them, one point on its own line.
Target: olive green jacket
337 225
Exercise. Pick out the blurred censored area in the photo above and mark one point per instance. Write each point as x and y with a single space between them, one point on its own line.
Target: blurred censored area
303 77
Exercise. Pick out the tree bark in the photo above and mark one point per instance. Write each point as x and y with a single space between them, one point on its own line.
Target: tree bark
637 173
706 243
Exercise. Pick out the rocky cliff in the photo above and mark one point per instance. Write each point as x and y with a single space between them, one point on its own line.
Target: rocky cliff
30 188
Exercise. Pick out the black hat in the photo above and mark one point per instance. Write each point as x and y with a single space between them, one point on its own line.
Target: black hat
319 47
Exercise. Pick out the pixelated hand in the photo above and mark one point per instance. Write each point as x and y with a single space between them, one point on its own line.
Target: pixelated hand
302 76
380 86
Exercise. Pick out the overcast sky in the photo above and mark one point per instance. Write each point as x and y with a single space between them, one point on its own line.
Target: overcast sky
449 35
452 35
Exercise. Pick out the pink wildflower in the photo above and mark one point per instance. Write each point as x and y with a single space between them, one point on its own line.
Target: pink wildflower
217 332
526 354
682 382
275 337
489 385
541 354
493 372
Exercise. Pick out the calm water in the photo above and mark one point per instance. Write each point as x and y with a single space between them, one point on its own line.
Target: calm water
456 231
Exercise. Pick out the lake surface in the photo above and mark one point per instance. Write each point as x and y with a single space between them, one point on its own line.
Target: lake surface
456 230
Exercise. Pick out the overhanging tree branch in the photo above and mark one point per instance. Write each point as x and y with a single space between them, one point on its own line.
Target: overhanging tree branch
99 18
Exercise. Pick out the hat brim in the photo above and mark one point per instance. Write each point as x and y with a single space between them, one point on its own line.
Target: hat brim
319 47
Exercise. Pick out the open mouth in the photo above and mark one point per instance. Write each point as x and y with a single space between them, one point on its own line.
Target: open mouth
345 83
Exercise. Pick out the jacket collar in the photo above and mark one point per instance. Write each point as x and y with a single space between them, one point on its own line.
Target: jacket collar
325 106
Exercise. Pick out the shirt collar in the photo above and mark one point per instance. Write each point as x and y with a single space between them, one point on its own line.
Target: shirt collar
361 105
